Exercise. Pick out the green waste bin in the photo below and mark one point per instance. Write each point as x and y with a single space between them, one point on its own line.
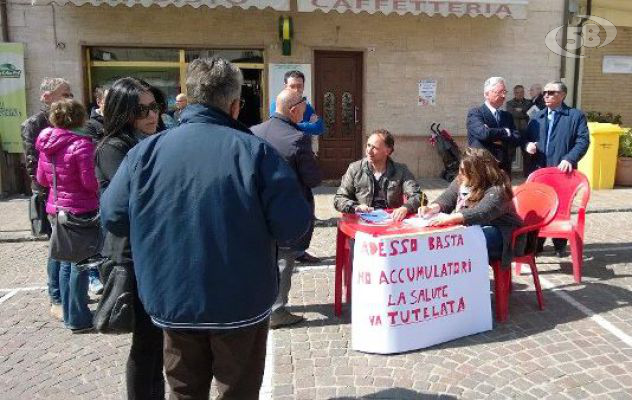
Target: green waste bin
600 162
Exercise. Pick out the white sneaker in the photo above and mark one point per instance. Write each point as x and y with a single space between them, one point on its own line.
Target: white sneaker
57 312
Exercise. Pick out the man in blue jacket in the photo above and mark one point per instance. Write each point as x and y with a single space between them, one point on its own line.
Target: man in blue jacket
489 127
558 137
310 124
204 205
283 134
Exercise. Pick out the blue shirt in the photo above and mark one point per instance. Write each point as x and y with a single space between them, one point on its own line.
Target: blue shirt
311 128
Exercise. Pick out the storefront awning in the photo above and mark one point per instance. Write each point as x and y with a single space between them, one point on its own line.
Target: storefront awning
516 9
280 5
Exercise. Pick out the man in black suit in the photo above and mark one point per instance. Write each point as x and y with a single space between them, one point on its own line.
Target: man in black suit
489 127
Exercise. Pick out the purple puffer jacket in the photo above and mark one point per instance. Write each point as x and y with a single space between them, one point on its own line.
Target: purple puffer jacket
77 185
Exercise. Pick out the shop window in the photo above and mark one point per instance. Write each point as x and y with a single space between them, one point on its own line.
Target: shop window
166 68
235 56
165 79
133 54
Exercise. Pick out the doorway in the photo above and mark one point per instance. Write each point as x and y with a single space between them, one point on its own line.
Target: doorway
338 100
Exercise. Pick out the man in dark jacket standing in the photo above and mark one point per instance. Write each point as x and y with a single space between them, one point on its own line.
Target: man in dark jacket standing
283 133
51 90
204 205
489 127
557 137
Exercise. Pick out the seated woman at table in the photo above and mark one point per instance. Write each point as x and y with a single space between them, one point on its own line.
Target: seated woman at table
378 182
480 195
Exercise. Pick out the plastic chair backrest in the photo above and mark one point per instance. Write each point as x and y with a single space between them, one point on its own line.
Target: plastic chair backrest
566 185
535 203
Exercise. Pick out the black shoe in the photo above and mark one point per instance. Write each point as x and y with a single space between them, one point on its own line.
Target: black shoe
307 258
79 331
283 318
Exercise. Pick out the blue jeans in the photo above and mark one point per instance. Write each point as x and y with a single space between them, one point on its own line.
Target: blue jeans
73 284
494 240
53 281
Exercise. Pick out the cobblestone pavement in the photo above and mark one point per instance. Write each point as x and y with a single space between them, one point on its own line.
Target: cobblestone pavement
579 347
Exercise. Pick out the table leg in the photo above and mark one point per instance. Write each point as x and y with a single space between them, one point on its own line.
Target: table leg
348 271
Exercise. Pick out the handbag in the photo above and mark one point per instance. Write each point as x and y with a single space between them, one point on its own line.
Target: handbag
40 225
73 238
115 311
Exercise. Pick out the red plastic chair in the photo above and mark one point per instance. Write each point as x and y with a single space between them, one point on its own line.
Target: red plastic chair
567 186
536 204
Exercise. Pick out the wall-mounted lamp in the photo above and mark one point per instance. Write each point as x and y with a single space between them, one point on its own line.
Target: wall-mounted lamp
286 32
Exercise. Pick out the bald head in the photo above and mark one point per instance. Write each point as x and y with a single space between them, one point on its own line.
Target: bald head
181 101
290 104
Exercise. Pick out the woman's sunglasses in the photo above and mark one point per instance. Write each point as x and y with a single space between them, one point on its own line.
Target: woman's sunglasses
144 109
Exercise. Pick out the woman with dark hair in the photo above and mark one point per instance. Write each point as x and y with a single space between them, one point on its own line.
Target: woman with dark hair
480 195
131 114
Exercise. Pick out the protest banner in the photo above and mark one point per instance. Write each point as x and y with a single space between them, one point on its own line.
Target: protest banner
416 290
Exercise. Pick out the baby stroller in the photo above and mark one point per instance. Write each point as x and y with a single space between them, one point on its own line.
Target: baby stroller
447 149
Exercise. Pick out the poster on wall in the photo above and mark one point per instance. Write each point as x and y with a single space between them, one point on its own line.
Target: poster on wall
427 92
12 96
275 79
416 290
617 65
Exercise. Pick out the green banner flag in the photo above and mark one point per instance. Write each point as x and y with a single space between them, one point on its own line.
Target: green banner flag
12 96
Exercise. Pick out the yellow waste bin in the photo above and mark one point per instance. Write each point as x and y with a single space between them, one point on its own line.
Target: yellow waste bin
600 162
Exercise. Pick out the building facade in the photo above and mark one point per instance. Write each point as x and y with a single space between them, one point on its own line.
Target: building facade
606 70
366 58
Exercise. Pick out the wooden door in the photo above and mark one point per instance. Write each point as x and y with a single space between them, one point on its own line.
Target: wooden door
338 100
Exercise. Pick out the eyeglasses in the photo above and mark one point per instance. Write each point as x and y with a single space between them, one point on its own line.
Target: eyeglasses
500 91
242 103
144 109
550 92
299 102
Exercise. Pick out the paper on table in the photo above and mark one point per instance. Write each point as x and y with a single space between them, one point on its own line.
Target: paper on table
376 217
422 222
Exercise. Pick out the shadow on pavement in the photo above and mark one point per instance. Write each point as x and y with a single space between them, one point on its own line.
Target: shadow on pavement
596 262
400 394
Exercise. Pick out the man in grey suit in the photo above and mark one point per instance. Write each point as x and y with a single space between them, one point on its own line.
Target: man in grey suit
282 132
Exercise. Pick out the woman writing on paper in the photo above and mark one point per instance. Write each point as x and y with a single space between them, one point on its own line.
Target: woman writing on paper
480 195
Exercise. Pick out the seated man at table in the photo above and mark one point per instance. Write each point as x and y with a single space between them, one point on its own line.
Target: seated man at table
480 195
378 182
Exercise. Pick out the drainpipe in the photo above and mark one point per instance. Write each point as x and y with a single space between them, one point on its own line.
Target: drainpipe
577 59
565 20
4 20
